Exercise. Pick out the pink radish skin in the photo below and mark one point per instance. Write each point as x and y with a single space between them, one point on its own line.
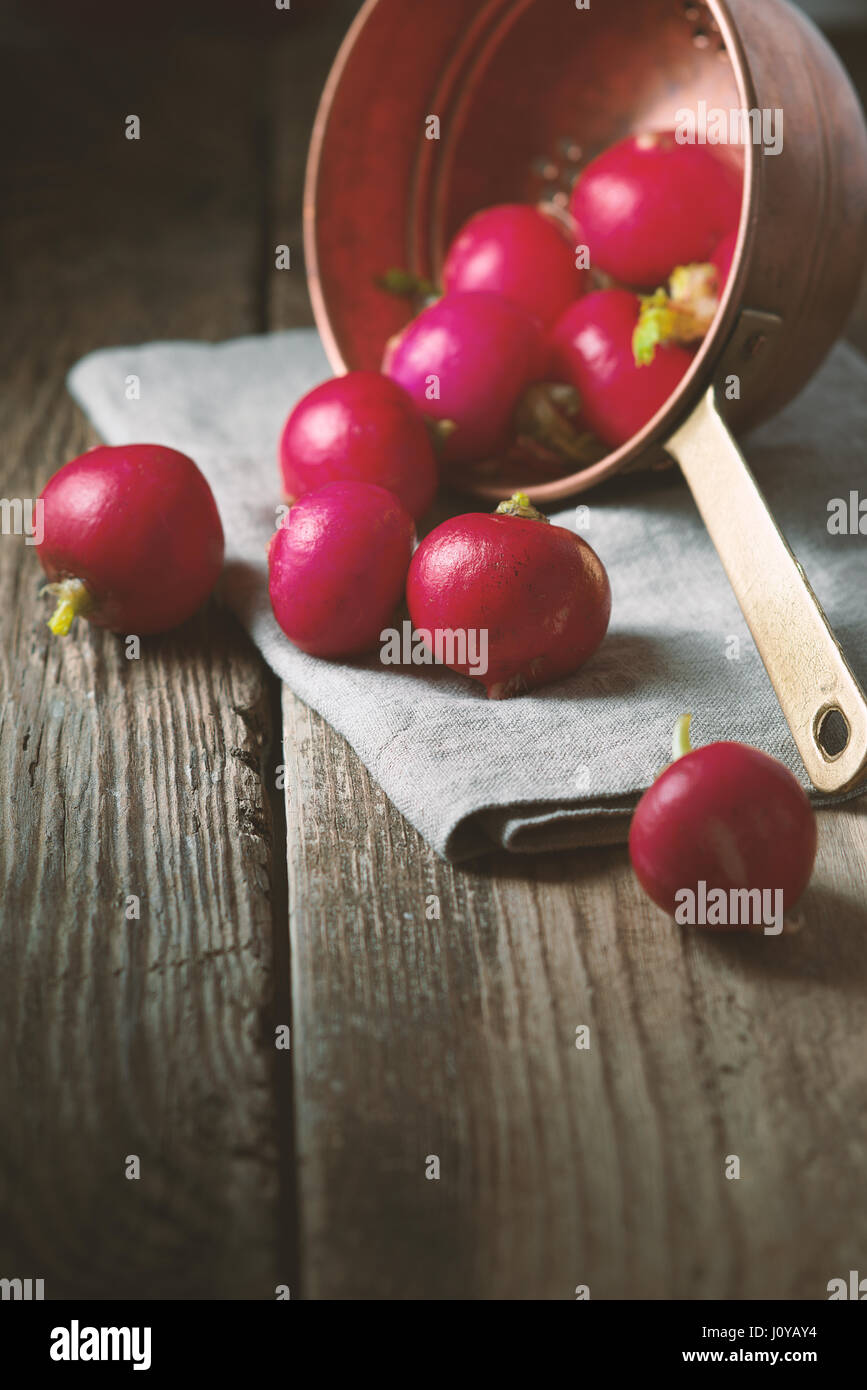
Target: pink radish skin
337 567
722 259
539 591
649 204
591 349
132 539
730 816
480 352
361 427
518 252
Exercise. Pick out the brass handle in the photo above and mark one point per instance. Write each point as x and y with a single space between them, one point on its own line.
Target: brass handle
803 658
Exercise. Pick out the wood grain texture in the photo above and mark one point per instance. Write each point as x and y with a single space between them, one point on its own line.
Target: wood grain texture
154 1036
456 1037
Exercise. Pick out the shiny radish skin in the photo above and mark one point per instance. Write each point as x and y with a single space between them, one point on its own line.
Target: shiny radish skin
479 352
361 427
649 204
539 591
519 252
337 567
138 527
727 815
591 349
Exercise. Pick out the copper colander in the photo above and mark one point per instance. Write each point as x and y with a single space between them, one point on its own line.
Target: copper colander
525 91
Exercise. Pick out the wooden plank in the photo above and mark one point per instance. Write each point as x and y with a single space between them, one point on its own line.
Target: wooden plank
151 777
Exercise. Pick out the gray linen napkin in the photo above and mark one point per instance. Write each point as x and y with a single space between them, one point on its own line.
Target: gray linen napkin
565 765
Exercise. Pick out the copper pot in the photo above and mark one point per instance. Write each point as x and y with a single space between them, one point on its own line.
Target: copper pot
512 80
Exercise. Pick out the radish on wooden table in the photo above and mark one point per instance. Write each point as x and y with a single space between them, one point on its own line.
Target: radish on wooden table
723 819
337 567
132 539
538 592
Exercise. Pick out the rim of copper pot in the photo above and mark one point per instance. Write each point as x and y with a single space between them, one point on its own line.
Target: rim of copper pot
699 374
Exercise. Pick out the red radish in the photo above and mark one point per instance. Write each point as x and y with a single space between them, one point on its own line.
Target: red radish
538 592
722 258
337 567
685 311
681 314
649 204
466 361
591 349
726 816
519 252
361 426
132 541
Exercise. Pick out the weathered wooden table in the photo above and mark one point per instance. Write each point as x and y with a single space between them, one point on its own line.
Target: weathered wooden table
157 778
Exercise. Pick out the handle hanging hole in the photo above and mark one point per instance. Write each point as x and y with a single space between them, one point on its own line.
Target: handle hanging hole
832 732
